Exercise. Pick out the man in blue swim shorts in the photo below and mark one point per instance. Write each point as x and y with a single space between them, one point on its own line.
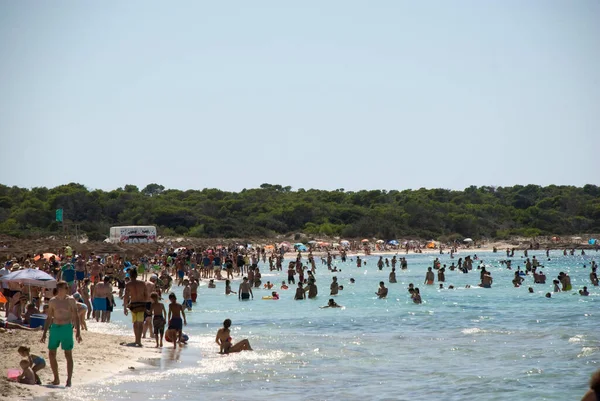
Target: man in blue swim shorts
62 313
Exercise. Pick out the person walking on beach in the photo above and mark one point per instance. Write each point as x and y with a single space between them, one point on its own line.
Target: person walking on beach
175 320
134 299
62 313
225 341
593 394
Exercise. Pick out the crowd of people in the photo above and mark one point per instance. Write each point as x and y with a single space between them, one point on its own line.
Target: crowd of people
90 286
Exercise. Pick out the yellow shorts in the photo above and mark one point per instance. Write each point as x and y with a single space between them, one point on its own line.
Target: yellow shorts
137 317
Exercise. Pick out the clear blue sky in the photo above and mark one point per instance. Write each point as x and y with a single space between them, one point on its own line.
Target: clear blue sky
312 94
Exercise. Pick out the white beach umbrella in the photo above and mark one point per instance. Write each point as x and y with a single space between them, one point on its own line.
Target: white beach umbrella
467 240
34 277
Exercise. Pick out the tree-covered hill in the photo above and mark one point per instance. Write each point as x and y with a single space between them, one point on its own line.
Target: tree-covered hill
272 209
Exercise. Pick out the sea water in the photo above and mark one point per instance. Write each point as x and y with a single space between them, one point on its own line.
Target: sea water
502 343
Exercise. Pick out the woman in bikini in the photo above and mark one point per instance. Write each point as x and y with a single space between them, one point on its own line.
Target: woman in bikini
225 341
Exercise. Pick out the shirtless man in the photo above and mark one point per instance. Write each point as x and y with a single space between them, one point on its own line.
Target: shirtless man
392 278
80 269
135 298
62 313
429 277
101 295
334 286
245 290
486 280
382 291
311 288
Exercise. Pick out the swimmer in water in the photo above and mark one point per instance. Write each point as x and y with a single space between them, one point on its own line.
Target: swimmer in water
382 291
225 341
331 304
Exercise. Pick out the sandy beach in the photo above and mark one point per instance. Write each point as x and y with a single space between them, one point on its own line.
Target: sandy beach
98 357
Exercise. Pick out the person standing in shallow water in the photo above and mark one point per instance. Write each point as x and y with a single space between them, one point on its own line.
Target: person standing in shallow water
334 286
135 299
245 290
392 278
429 277
382 291
226 342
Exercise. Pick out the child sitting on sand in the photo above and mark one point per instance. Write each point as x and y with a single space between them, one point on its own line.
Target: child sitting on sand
27 377
36 362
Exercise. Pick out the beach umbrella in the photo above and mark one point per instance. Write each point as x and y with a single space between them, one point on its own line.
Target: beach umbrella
31 277
467 240
183 248
365 240
285 244
2 299
47 256
345 242
298 244
393 242
301 247
555 239
431 245
380 241
335 244
312 242
592 241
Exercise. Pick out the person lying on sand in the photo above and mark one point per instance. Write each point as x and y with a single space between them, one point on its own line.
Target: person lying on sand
14 326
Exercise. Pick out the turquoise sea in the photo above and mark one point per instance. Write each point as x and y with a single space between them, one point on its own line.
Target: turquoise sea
492 344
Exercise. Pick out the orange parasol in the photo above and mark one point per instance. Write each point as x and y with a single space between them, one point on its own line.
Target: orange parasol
2 299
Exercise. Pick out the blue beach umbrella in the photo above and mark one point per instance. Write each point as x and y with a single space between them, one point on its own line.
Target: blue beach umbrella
393 242
592 241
